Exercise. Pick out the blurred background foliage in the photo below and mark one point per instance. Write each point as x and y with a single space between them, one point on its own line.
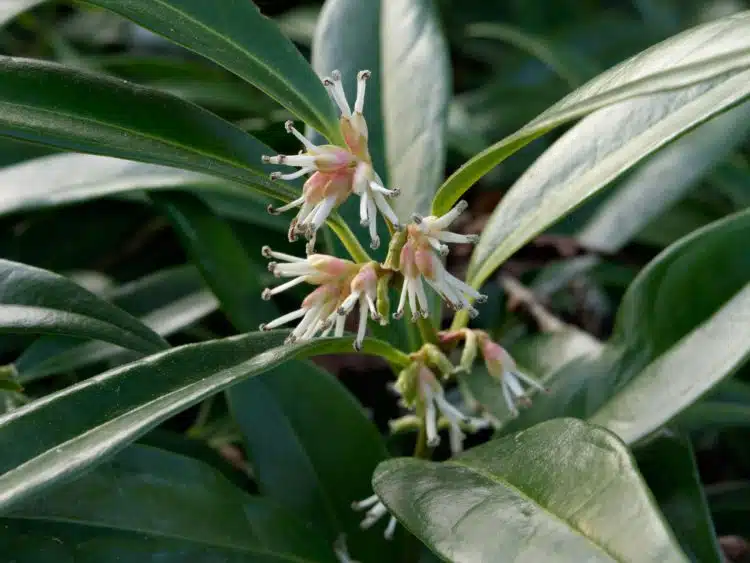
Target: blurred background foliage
511 60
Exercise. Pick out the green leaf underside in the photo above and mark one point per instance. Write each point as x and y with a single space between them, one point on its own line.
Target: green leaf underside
235 35
545 193
47 103
694 56
656 186
562 490
162 501
97 417
318 465
663 355
37 301
416 93
668 466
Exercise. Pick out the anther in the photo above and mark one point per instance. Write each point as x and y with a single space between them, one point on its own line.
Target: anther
363 75
266 295
417 218
289 125
266 251
462 205
265 158
375 243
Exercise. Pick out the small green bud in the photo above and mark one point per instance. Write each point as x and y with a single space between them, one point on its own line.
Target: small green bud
436 357
383 299
393 258
470 351
407 384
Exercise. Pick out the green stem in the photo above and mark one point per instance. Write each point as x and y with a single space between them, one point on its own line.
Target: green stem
347 238
460 320
427 331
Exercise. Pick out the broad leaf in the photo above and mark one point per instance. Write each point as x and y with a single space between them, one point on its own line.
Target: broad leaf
148 504
47 103
37 301
12 8
68 178
97 417
668 466
563 490
416 93
238 37
592 154
697 55
222 260
653 350
325 450
166 302
663 180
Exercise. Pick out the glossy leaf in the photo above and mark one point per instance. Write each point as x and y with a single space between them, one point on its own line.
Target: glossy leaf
97 417
9 9
416 93
37 301
697 55
657 185
149 504
238 37
225 266
563 490
68 178
669 468
325 450
592 154
50 104
652 351
166 302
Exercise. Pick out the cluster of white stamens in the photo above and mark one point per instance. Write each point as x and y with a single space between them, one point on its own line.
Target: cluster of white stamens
336 171
421 259
375 511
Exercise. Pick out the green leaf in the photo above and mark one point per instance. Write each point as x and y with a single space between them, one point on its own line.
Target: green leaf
50 104
12 8
592 154
36 301
95 418
668 466
416 93
657 185
235 35
666 353
166 302
562 490
711 415
148 504
222 260
695 56
325 450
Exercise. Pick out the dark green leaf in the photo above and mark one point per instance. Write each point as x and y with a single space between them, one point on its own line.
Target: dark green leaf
50 104
33 300
97 417
668 466
563 490
697 55
222 260
325 450
237 36
154 504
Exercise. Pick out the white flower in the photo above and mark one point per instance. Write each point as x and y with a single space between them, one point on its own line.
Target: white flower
336 171
375 511
501 366
364 290
420 259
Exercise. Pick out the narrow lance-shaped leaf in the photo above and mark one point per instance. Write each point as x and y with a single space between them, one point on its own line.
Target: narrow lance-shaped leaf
416 92
562 490
95 418
592 154
148 504
54 105
37 301
703 53
234 34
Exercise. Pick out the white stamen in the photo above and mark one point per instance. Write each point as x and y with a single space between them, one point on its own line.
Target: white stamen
447 236
268 253
529 381
364 218
441 249
390 529
340 325
422 297
336 90
402 300
292 175
373 308
346 307
413 299
512 382
359 104
289 126
293 269
373 515
291 205
509 401
324 210
449 411
361 328
373 225
444 221
284 286
430 416
366 503
374 186
456 439
282 320
385 209
293 160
